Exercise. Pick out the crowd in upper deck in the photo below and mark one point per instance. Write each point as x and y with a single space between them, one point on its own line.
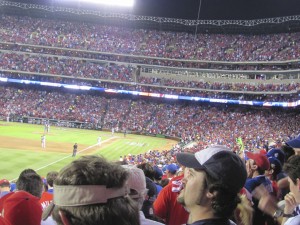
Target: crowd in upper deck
175 45
125 73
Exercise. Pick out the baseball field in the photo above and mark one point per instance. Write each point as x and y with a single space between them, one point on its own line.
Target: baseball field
20 147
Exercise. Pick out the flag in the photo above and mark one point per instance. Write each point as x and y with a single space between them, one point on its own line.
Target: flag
240 143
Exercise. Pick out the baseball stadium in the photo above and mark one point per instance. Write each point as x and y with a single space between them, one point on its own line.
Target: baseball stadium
141 83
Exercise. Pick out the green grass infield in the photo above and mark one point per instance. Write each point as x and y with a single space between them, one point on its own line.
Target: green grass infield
20 147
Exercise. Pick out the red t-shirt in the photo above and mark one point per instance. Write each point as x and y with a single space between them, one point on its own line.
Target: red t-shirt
166 206
2 201
46 199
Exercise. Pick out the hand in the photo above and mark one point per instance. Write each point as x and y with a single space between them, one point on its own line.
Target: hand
268 204
290 203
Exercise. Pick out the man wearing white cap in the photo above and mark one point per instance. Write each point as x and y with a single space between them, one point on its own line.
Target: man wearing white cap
138 191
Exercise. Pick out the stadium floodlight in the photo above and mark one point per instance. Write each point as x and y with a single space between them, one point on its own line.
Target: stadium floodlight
125 3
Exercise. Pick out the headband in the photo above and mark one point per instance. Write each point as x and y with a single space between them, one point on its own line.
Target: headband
77 195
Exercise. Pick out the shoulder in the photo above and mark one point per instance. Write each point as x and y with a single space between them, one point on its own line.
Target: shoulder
144 221
293 220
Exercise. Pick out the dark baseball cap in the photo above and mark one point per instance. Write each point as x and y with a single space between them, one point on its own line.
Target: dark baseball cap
220 163
294 143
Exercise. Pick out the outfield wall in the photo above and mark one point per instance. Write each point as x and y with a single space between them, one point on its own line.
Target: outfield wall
77 124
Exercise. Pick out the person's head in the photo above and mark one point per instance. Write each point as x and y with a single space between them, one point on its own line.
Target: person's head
292 169
257 164
277 153
4 185
288 151
92 191
30 182
213 177
137 184
51 176
171 170
26 171
295 144
157 174
275 168
22 208
148 170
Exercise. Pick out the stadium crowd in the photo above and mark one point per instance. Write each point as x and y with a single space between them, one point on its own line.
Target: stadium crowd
123 73
176 45
153 85
181 63
185 120
244 160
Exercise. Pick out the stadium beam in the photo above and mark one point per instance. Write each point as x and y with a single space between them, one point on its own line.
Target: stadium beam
123 3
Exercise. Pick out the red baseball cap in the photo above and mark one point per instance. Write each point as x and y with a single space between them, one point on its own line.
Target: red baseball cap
260 159
4 221
4 181
22 208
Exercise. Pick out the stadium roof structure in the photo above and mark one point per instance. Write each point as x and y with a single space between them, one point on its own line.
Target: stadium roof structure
201 16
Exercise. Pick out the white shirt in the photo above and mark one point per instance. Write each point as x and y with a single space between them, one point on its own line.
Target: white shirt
293 220
145 221
49 221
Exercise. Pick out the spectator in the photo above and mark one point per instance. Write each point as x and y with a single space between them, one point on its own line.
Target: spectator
291 148
213 178
257 164
171 171
152 190
30 182
22 208
295 144
47 196
272 174
278 154
157 178
92 191
4 187
292 199
166 206
138 191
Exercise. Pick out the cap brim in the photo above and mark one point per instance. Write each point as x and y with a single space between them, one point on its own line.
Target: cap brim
47 211
294 143
188 160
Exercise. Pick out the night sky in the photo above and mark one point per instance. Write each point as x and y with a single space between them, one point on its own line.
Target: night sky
210 9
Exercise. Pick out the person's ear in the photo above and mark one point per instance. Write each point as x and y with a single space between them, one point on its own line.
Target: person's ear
298 183
209 195
254 167
63 218
271 171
